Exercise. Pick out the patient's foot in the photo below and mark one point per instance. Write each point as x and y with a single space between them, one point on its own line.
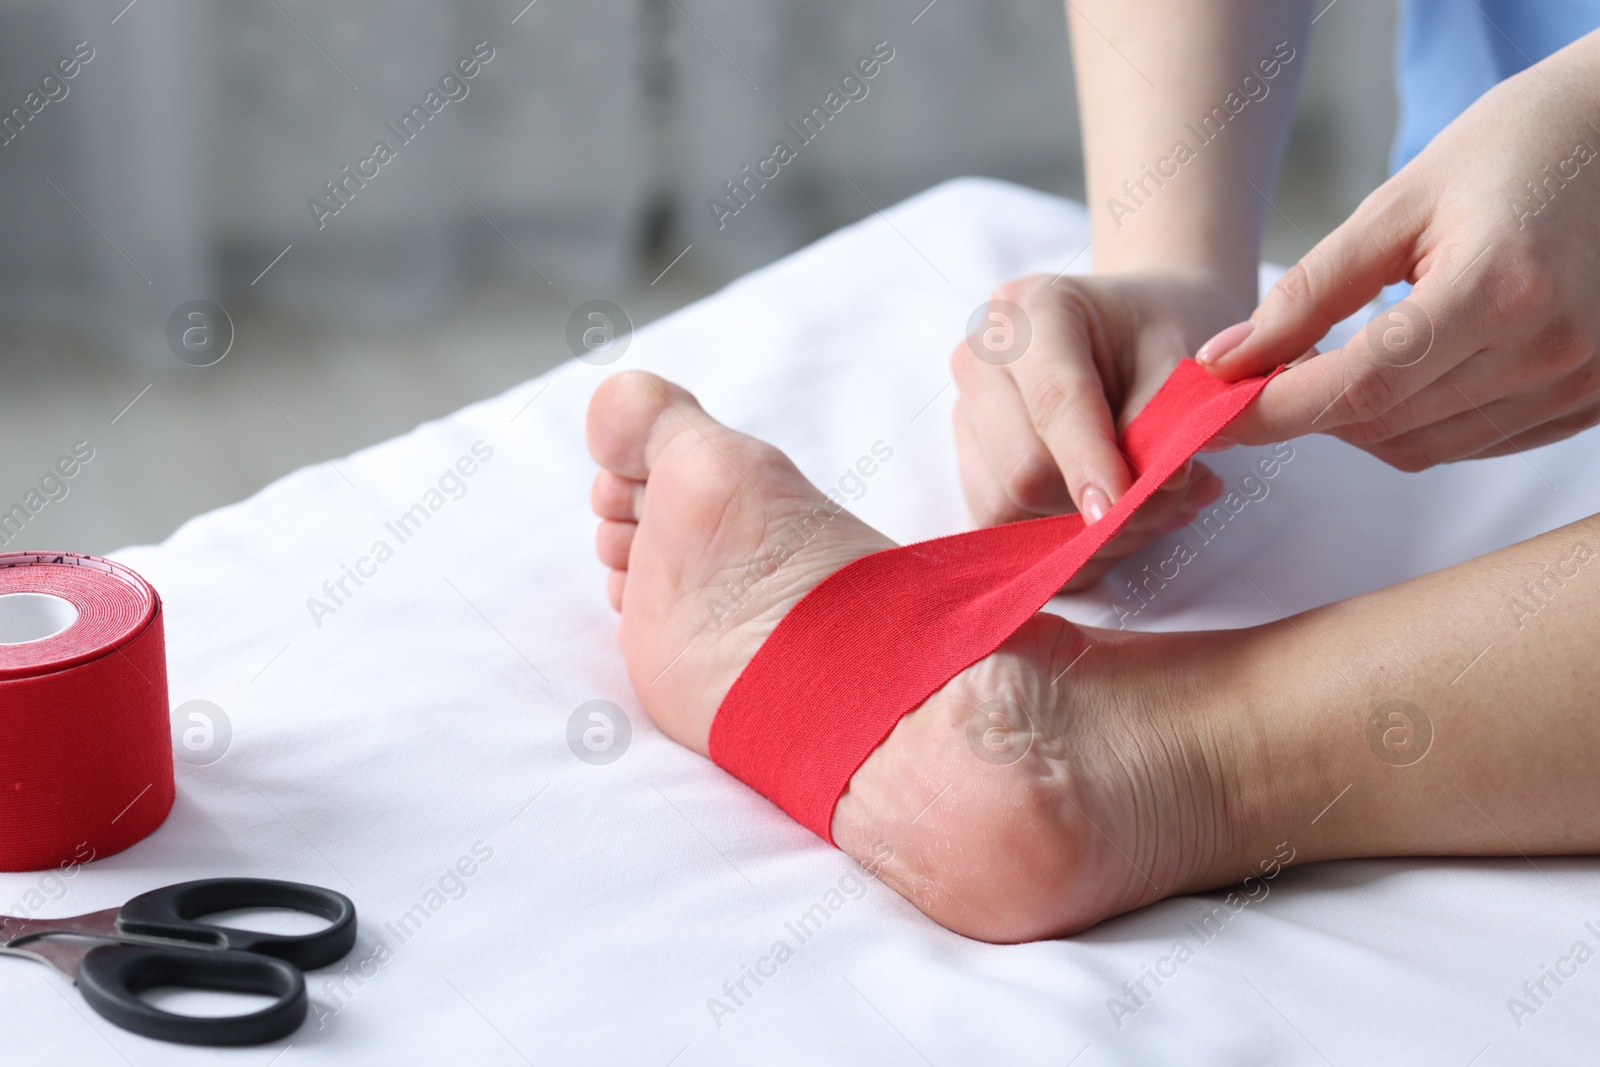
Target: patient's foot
1126 788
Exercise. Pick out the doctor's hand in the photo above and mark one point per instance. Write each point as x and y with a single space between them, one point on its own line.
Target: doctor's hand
1497 224
1055 370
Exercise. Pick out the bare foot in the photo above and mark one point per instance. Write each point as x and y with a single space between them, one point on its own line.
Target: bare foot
1071 776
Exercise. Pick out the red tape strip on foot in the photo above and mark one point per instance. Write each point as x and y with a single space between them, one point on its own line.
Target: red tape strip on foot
881 635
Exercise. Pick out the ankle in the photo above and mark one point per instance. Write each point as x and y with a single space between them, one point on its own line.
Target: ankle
1288 772
1246 771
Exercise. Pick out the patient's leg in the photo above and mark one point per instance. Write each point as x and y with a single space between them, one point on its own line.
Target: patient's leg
1156 764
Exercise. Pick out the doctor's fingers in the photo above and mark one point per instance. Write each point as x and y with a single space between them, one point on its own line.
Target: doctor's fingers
1401 352
1499 427
1061 387
987 500
994 426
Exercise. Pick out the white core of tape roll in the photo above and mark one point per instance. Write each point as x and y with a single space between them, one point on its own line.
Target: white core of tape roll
29 617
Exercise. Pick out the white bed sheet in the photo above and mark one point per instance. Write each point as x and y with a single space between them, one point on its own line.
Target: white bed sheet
428 715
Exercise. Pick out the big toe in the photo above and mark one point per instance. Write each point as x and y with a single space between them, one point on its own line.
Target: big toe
631 417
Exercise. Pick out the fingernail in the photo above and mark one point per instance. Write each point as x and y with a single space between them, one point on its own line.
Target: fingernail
1095 504
1218 443
1224 342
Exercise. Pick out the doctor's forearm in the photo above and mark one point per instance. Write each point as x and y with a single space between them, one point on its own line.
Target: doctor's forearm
1185 111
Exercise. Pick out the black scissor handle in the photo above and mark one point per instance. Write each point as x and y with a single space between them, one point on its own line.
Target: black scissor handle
169 913
111 978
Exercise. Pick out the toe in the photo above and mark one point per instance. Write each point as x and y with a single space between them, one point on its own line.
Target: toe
614 583
617 498
632 418
613 541
713 509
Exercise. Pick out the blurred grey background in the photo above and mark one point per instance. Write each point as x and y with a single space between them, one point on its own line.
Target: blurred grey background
179 161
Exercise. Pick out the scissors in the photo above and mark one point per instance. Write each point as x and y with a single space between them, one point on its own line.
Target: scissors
153 940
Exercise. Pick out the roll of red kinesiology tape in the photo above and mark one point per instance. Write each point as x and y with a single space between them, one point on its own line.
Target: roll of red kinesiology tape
85 746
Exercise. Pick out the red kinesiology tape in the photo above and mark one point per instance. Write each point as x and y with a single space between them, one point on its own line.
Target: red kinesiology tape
881 635
85 740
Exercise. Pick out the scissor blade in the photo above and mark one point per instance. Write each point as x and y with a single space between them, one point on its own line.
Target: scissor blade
11 928
58 943
63 953
16 931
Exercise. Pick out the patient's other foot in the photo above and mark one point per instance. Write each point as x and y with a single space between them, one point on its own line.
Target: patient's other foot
1071 776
